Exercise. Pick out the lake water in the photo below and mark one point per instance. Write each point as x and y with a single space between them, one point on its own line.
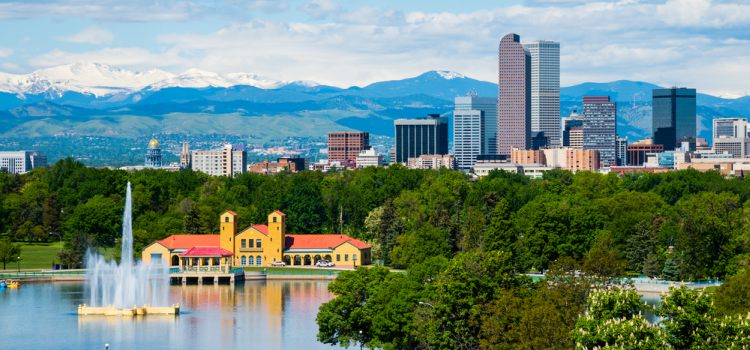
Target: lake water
256 315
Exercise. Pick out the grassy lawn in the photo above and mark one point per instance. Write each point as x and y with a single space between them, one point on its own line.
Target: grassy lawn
37 256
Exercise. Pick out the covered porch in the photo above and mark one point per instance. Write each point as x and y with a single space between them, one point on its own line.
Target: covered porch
205 265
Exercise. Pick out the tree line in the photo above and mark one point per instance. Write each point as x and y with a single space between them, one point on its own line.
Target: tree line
682 225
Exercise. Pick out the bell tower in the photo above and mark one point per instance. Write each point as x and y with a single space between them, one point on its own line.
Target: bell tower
228 229
276 235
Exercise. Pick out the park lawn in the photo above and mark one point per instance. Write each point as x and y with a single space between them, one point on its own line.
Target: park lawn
37 256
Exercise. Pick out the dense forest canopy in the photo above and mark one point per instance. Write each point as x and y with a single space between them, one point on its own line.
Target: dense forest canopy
682 225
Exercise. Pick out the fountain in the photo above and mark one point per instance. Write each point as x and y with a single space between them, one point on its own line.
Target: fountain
116 289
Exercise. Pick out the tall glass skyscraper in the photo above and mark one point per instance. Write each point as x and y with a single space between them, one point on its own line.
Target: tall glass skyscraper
545 89
599 127
488 107
514 98
674 117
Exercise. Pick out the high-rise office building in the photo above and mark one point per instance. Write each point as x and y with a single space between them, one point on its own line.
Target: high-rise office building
468 135
572 131
599 127
731 136
415 137
153 154
621 151
545 89
344 146
488 107
21 162
674 117
228 161
514 95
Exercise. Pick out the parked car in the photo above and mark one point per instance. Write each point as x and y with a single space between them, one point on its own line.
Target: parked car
324 263
278 263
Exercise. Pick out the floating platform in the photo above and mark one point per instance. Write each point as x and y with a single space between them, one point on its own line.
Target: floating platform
84 310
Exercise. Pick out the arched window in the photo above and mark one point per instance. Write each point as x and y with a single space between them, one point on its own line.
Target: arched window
244 260
258 260
251 260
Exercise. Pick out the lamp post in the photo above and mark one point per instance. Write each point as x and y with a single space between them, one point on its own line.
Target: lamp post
18 261
59 235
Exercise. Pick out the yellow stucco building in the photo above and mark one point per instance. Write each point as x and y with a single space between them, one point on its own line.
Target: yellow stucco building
257 245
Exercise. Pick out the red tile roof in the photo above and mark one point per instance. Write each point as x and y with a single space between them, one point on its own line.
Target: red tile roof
321 241
279 212
262 228
207 252
230 212
189 241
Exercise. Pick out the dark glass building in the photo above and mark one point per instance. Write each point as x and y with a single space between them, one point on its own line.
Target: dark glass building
674 117
415 137
599 128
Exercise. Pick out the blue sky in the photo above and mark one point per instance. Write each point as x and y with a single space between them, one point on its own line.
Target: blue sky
697 43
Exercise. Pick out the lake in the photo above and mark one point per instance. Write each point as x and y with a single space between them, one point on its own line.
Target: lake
253 315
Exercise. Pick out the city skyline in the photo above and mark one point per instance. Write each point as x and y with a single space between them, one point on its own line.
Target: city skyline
348 43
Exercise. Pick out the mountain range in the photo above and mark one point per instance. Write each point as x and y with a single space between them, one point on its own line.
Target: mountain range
96 99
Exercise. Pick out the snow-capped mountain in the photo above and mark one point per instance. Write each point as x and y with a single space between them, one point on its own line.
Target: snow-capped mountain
196 78
102 80
92 78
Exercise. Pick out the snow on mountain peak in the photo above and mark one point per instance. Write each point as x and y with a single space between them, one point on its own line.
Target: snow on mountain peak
448 75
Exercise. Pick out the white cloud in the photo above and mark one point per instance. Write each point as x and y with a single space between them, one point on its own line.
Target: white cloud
320 8
91 35
697 43
5 52
119 56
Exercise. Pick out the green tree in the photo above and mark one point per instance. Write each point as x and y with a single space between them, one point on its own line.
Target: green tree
9 251
733 296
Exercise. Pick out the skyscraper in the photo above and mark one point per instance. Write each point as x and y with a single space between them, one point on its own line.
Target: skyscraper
415 137
514 95
474 125
674 117
621 151
572 134
545 89
599 127
153 154
344 146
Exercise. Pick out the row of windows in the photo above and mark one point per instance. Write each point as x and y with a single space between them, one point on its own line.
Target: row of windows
248 260
248 243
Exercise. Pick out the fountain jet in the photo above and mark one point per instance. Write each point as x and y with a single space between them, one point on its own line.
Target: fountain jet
116 289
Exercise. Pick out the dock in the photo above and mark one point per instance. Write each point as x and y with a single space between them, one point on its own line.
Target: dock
206 275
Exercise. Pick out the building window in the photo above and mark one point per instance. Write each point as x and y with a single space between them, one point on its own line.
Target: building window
338 257
250 243
251 261
244 260
346 257
226 219
243 244
257 244
274 219
258 260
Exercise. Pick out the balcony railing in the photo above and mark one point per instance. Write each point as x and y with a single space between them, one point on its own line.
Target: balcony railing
200 269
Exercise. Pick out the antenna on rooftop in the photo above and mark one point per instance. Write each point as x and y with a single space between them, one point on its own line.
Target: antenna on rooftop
472 93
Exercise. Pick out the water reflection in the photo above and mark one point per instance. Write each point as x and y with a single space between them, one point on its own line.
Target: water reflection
257 315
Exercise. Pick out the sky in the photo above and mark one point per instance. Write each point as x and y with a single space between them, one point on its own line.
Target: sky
701 44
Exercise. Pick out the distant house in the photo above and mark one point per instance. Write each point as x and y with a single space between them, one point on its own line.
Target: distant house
257 245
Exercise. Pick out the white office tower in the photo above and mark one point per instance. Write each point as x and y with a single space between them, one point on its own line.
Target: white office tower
545 89
731 137
474 128
20 162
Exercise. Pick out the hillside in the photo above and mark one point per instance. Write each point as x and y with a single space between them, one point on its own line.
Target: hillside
93 99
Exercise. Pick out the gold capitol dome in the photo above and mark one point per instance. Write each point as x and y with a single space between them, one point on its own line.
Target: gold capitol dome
154 143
